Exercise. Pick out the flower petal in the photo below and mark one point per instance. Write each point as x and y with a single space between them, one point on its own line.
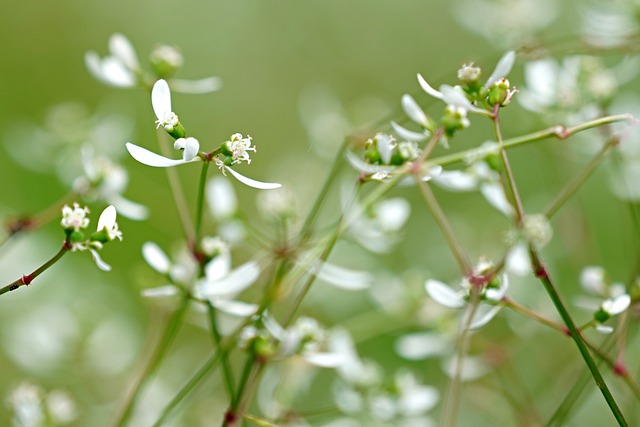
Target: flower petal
159 292
161 99
444 294
221 198
427 88
413 110
324 360
99 262
115 73
344 278
456 180
156 258
616 305
128 208
235 308
502 68
121 48
252 182
484 313
408 134
494 193
206 85
191 148
150 158
422 345
234 282
107 218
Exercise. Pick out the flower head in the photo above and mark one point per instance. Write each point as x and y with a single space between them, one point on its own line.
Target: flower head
74 218
236 149
161 102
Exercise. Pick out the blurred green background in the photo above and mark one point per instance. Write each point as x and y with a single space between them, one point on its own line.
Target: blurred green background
84 330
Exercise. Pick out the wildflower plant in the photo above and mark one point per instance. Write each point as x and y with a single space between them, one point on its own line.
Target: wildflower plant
267 296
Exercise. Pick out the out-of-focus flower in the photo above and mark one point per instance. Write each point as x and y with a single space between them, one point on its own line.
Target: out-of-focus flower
507 22
491 294
121 67
609 24
33 406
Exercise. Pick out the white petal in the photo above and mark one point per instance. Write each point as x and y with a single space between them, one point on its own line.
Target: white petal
368 168
392 213
161 99
418 400
413 110
99 262
324 360
275 329
496 294
236 281
494 193
421 345
351 280
191 148
473 367
128 208
604 329
94 65
456 180
408 134
592 279
107 218
221 198
156 258
484 313
444 294
518 261
218 267
454 95
502 68
115 73
122 49
427 88
159 292
252 182
149 158
616 305
385 147
206 85
235 308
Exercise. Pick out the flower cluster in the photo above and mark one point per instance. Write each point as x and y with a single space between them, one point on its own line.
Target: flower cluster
74 222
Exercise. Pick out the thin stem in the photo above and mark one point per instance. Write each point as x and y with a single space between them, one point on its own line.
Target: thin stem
232 415
559 132
451 402
507 168
200 201
27 279
306 230
542 274
572 187
176 190
217 341
526 311
202 373
169 333
445 226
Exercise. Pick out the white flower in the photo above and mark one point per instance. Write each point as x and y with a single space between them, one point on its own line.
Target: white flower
237 148
74 218
537 230
616 305
455 95
221 284
150 158
121 67
378 229
491 295
161 102
118 69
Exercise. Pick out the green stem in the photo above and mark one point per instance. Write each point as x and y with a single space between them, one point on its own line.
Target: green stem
27 279
217 341
200 201
572 187
526 311
232 415
451 402
542 274
445 226
559 132
168 335
201 374
176 190
306 230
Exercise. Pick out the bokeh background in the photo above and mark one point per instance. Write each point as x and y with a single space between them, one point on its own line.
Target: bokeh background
284 63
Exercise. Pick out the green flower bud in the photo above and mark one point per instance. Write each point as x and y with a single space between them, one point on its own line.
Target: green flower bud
165 61
454 119
601 316
499 93
177 131
101 236
76 236
372 154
